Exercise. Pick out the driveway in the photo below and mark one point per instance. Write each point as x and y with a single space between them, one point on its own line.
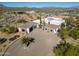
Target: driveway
42 45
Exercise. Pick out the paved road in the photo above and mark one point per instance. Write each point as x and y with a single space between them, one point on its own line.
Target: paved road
42 46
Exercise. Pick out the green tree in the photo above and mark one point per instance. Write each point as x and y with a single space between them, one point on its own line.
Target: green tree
27 40
69 20
66 49
60 49
76 23
40 21
63 33
75 33
8 29
77 17
11 29
72 51
63 25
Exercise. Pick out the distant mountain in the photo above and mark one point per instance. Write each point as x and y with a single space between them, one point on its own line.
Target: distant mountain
74 7
62 7
1 5
50 9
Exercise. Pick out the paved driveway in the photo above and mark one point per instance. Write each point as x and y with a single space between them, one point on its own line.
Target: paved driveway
42 46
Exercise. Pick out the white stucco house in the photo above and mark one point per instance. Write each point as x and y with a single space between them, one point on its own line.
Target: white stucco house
32 11
53 20
28 27
52 28
52 23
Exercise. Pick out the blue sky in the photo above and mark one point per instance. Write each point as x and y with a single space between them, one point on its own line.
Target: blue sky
40 4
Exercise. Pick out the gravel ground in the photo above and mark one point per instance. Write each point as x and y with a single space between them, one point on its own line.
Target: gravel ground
42 45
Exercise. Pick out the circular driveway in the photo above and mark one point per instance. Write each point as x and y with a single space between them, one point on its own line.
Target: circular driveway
42 45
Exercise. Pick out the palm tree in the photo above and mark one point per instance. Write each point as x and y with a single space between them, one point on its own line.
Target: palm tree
27 40
43 24
40 21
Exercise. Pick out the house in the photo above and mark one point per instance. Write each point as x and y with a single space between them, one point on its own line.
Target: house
53 20
30 11
51 23
52 28
28 27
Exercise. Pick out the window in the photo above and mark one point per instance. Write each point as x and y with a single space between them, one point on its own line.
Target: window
51 30
23 30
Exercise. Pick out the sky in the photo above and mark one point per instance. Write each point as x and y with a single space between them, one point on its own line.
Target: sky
40 4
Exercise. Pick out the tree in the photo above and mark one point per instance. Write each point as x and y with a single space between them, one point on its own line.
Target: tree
63 33
27 40
12 29
60 49
72 51
69 20
76 23
40 21
77 17
43 24
8 29
66 49
1 17
75 33
63 25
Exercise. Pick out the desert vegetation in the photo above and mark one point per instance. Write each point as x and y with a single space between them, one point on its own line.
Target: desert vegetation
8 29
66 49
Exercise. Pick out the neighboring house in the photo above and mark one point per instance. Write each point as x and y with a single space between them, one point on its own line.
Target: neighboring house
28 27
30 11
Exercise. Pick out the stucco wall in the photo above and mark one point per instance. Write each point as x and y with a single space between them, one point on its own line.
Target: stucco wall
53 30
26 30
